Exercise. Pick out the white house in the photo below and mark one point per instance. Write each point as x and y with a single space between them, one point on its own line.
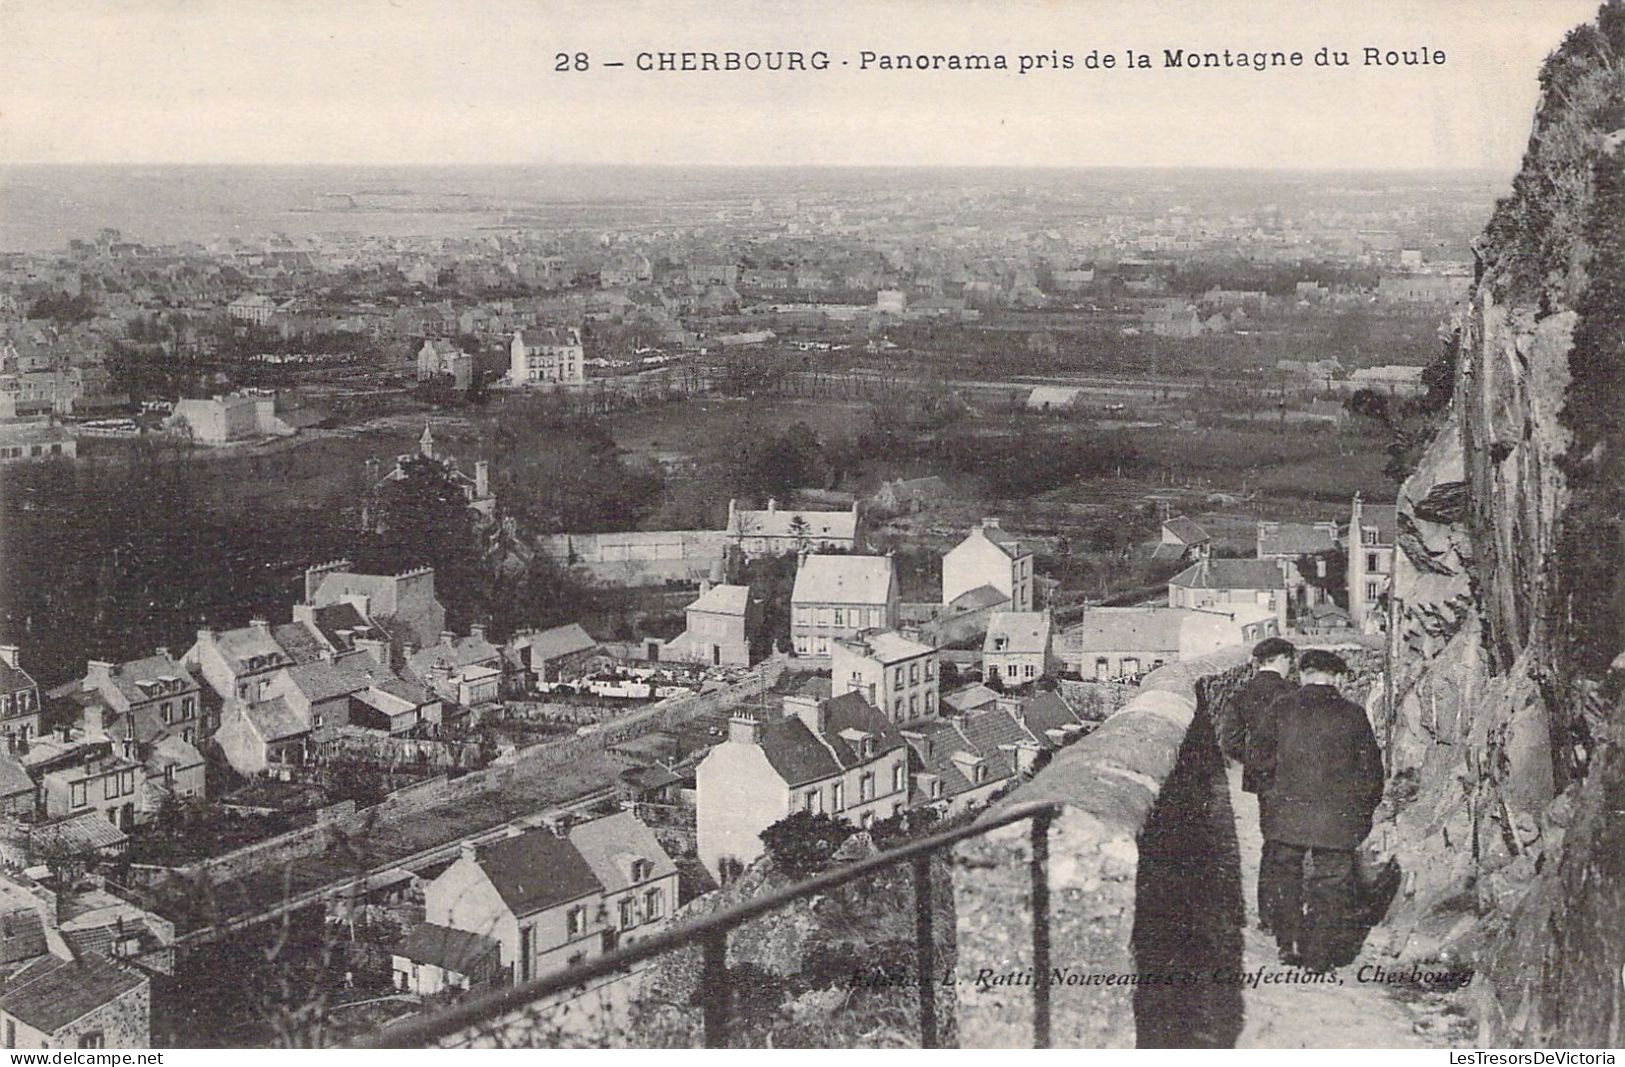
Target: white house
836 596
1018 648
548 355
894 674
989 556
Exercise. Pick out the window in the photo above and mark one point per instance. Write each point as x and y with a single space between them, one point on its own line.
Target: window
874 617
913 705
839 618
576 921
930 702
930 669
1103 668
1368 537
823 645
169 711
316 720
654 903
897 678
899 777
110 787
837 796
913 674
1373 590
5 703
866 786
88 1039
803 644
897 710
809 800
1030 671
1131 665
981 773
186 735
188 707
641 870
936 787
628 914
126 782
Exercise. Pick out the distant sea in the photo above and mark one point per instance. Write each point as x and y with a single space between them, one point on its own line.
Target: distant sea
43 207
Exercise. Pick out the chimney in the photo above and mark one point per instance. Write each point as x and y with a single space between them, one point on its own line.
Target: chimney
990 524
469 851
446 638
744 730
772 505
162 651
205 636
733 512
705 586
476 631
812 712
260 627
8 655
482 479
98 670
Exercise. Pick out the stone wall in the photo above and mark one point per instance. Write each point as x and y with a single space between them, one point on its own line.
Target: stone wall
1143 830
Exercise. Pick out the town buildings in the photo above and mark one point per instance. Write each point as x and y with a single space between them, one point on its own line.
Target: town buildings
19 696
229 417
1181 541
1211 583
1018 648
776 531
1112 644
720 624
545 899
835 597
1370 542
838 756
546 356
442 359
894 674
989 556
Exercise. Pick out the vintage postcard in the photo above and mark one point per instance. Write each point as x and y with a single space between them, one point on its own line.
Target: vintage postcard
868 524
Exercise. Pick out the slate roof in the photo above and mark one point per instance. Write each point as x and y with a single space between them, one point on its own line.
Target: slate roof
1295 539
1186 530
14 678
560 641
1047 711
797 755
1231 574
1168 551
88 831
992 730
820 525
240 645
460 652
13 778
457 951
51 993
341 623
1125 630
274 720
983 596
536 870
609 846
886 646
322 680
22 936
1023 632
723 600
970 698
126 675
843 580
1385 517
1008 542
298 642
800 756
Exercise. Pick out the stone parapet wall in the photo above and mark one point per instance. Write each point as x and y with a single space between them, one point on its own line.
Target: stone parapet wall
1143 826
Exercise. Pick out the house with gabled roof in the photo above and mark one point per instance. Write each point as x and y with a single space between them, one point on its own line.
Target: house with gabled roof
19 696
720 623
838 757
835 597
153 692
958 764
1182 540
990 556
776 531
1211 583
550 900
1018 648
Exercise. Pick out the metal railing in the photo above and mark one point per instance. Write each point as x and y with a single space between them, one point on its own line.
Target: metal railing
711 933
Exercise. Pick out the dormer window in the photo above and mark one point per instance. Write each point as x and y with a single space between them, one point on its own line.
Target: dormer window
641 870
981 773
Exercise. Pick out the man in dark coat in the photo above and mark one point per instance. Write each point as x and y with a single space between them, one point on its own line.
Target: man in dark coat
1242 737
1326 780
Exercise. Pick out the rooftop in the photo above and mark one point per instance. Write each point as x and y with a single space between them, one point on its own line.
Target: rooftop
844 580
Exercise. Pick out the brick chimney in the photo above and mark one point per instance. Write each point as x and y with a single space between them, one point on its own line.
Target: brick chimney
8 655
476 631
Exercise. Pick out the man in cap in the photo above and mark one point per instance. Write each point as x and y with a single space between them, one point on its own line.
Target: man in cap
1244 736
1326 780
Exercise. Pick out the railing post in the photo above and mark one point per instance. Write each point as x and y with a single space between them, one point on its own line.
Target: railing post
925 951
714 991
1040 905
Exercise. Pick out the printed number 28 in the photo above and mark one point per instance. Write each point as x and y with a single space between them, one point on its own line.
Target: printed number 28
564 61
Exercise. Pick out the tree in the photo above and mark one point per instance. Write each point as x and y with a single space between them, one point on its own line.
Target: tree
424 519
1334 562
802 844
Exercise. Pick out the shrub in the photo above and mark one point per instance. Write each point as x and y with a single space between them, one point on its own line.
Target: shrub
801 845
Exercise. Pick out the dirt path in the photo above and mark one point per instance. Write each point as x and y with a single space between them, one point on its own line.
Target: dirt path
1347 1014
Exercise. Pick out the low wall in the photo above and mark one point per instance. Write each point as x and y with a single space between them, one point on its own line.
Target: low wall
1144 883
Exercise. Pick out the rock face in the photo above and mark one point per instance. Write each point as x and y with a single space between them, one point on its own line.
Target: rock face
1509 827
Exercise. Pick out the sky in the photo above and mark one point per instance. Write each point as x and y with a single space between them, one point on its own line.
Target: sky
387 82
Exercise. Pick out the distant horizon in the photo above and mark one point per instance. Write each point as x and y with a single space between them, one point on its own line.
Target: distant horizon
610 164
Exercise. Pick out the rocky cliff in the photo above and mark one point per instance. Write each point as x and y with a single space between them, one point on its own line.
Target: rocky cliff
1502 717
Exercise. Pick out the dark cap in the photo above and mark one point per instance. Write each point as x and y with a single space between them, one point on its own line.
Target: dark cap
1324 661
1271 647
